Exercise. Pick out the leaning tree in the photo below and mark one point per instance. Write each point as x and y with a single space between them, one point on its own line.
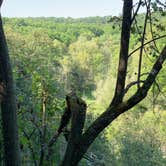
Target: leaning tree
8 105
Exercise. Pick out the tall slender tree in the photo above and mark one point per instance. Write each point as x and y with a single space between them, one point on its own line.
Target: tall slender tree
8 105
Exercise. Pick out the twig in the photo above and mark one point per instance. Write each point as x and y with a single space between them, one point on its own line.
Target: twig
151 30
142 42
163 94
130 85
157 38
138 30
136 12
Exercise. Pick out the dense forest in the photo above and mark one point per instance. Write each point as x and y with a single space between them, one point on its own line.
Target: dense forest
53 56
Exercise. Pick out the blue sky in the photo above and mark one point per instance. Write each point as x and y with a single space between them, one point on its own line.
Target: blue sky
61 8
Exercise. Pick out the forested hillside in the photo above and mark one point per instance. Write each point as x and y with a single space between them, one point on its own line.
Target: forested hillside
52 56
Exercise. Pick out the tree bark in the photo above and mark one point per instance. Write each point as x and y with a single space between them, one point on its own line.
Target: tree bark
124 48
78 113
8 105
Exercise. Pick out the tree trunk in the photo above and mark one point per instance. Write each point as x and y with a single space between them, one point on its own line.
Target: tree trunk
108 116
124 48
77 148
8 106
78 113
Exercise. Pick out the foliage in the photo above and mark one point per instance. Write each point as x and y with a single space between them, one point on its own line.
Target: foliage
51 56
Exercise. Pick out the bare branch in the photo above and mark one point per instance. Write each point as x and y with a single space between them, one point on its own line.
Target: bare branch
136 11
130 85
142 91
157 38
143 74
138 31
142 42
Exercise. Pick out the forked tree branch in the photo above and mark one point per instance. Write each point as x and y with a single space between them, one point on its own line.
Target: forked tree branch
142 91
113 111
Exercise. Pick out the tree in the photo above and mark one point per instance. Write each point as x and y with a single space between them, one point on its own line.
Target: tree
38 86
8 105
77 147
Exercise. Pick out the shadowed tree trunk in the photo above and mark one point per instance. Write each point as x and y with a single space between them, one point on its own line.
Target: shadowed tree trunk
78 112
78 146
8 105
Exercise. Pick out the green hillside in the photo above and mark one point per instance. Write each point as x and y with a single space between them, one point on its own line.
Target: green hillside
52 56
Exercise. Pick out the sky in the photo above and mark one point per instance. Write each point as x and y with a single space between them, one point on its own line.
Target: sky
61 8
